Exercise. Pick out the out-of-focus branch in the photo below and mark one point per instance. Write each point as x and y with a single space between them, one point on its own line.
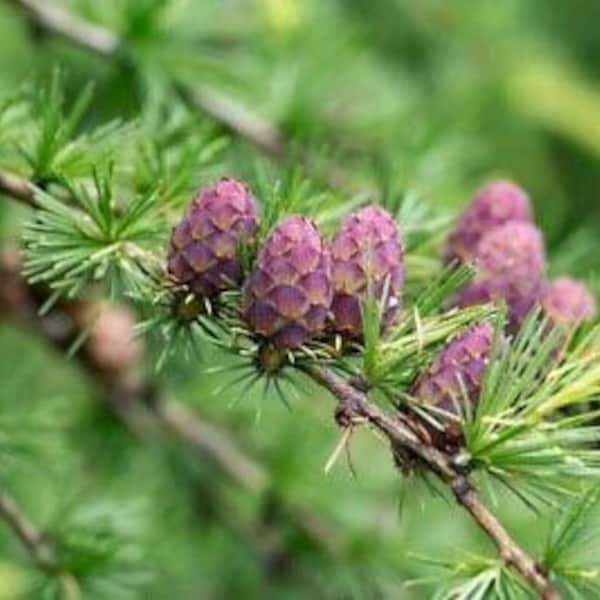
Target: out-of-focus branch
36 543
32 538
16 187
209 439
229 112
55 20
236 117
110 356
233 115
354 408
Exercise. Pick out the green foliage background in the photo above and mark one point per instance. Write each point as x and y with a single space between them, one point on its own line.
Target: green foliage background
431 97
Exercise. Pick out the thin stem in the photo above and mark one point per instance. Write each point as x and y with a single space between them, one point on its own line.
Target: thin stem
30 536
34 541
354 407
510 552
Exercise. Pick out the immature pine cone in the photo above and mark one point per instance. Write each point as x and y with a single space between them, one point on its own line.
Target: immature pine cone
288 294
366 256
204 244
496 203
457 369
510 266
568 302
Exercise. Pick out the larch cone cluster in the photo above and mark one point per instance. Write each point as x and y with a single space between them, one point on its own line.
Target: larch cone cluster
303 287
496 233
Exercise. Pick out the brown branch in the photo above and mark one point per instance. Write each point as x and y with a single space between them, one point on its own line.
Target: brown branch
54 19
35 541
32 538
234 116
17 187
354 407
208 439
123 392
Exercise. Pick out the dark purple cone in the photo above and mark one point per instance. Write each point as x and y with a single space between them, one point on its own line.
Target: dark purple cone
204 244
455 374
288 294
568 302
367 256
510 266
496 203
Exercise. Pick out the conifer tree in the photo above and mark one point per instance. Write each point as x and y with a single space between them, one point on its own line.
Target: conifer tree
248 350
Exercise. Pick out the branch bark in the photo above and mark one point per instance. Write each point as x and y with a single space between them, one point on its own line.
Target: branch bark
237 118
56 20
354 407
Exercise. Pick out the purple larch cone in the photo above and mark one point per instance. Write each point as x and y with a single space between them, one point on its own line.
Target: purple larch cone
288 293
567 302
456 372
510 265
203 249
367 258
496 203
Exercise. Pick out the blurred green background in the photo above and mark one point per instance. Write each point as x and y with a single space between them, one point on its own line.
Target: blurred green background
439 94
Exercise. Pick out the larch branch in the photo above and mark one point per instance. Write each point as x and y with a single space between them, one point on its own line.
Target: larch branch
354 407
17 187
35 542
55 20
32 538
